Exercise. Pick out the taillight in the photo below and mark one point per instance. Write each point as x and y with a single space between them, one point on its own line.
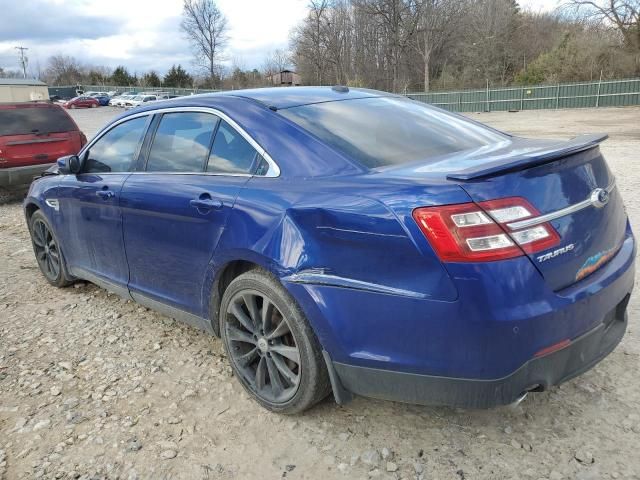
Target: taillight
469 232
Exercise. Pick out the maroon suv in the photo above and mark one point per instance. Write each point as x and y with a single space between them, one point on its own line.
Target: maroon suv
32 137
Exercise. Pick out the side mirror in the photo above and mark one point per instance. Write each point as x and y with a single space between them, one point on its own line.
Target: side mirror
68 165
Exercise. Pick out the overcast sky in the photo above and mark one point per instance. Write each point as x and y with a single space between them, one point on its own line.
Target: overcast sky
145 34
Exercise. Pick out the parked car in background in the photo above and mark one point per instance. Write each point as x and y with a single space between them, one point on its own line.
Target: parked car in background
139 100
167 96
32 137
96 94
103 99
353 240
120 100
82 102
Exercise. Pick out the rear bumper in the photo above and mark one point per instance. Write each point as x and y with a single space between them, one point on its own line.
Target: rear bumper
537 374
21 175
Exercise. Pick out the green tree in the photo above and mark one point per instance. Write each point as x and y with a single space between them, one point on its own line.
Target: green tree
177 77
121 76
150 79
97 77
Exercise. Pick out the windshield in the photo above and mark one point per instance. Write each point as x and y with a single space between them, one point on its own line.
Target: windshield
385 131
25 120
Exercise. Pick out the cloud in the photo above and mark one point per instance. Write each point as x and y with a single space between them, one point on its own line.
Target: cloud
140 35
42 21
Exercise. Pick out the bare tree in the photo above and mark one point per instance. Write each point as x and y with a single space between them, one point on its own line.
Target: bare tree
400 44
206 28
63 70
308 43
436 22
624 15
276 61
10 73
398 19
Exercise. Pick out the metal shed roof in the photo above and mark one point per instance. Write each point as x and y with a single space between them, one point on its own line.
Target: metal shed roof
22 81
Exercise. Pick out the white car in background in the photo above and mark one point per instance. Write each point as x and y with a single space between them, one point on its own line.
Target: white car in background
139 100
96 94
120 99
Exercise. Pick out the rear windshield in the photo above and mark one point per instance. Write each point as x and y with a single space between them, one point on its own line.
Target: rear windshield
24 120
385 131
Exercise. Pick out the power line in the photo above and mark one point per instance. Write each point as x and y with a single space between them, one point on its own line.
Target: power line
23 59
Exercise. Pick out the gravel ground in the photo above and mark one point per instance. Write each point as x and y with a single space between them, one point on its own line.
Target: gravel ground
92 386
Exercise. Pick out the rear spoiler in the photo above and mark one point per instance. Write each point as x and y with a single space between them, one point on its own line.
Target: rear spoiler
530 159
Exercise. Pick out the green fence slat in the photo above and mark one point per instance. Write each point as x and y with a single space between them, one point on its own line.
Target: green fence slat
589 94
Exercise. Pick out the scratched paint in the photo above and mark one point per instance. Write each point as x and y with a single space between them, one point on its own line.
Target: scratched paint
594 262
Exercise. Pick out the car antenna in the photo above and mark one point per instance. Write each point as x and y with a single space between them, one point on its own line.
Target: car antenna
340 88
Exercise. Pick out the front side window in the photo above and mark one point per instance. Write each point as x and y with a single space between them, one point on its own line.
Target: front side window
116 150
230 153
181 142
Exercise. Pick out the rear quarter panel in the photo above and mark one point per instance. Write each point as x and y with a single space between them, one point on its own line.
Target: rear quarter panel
337 227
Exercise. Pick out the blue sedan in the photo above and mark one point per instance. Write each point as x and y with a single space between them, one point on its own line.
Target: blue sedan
349 241
103 100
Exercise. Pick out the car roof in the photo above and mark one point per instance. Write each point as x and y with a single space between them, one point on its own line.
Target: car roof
287 97
36 104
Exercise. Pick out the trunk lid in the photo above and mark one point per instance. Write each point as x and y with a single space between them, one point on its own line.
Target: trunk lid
554 177
564 180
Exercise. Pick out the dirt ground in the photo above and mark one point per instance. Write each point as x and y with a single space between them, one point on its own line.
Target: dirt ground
93 387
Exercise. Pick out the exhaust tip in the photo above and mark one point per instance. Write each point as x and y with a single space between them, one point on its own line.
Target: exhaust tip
519 400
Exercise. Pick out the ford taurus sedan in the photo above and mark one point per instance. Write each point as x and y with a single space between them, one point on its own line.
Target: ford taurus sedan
350 241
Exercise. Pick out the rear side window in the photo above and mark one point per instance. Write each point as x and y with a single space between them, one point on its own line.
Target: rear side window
181 142
231 153
386 131
38 120
116 150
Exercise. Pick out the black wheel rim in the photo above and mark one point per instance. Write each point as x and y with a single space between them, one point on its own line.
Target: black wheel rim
47 252
262 346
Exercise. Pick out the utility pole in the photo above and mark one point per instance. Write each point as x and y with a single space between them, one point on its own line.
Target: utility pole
23 60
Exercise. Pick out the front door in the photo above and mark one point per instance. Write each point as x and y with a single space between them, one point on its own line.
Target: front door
175 212
89 206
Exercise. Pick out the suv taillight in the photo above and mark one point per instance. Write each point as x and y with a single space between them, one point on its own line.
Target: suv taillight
469 232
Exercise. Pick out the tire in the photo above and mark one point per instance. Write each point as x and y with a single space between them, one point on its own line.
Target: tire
278 361
47 251
73 107
93 105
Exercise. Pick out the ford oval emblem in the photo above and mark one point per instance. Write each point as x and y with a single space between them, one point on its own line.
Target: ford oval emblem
599 197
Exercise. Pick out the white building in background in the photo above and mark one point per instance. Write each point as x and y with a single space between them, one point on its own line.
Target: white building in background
22 90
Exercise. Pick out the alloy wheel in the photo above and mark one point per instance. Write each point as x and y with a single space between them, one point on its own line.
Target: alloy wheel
47 252
262 346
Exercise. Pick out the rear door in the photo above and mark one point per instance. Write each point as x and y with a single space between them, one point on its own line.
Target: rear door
175 211
33 134
578 192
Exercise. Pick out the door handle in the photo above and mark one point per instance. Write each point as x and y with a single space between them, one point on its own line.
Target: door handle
105 194
205 202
